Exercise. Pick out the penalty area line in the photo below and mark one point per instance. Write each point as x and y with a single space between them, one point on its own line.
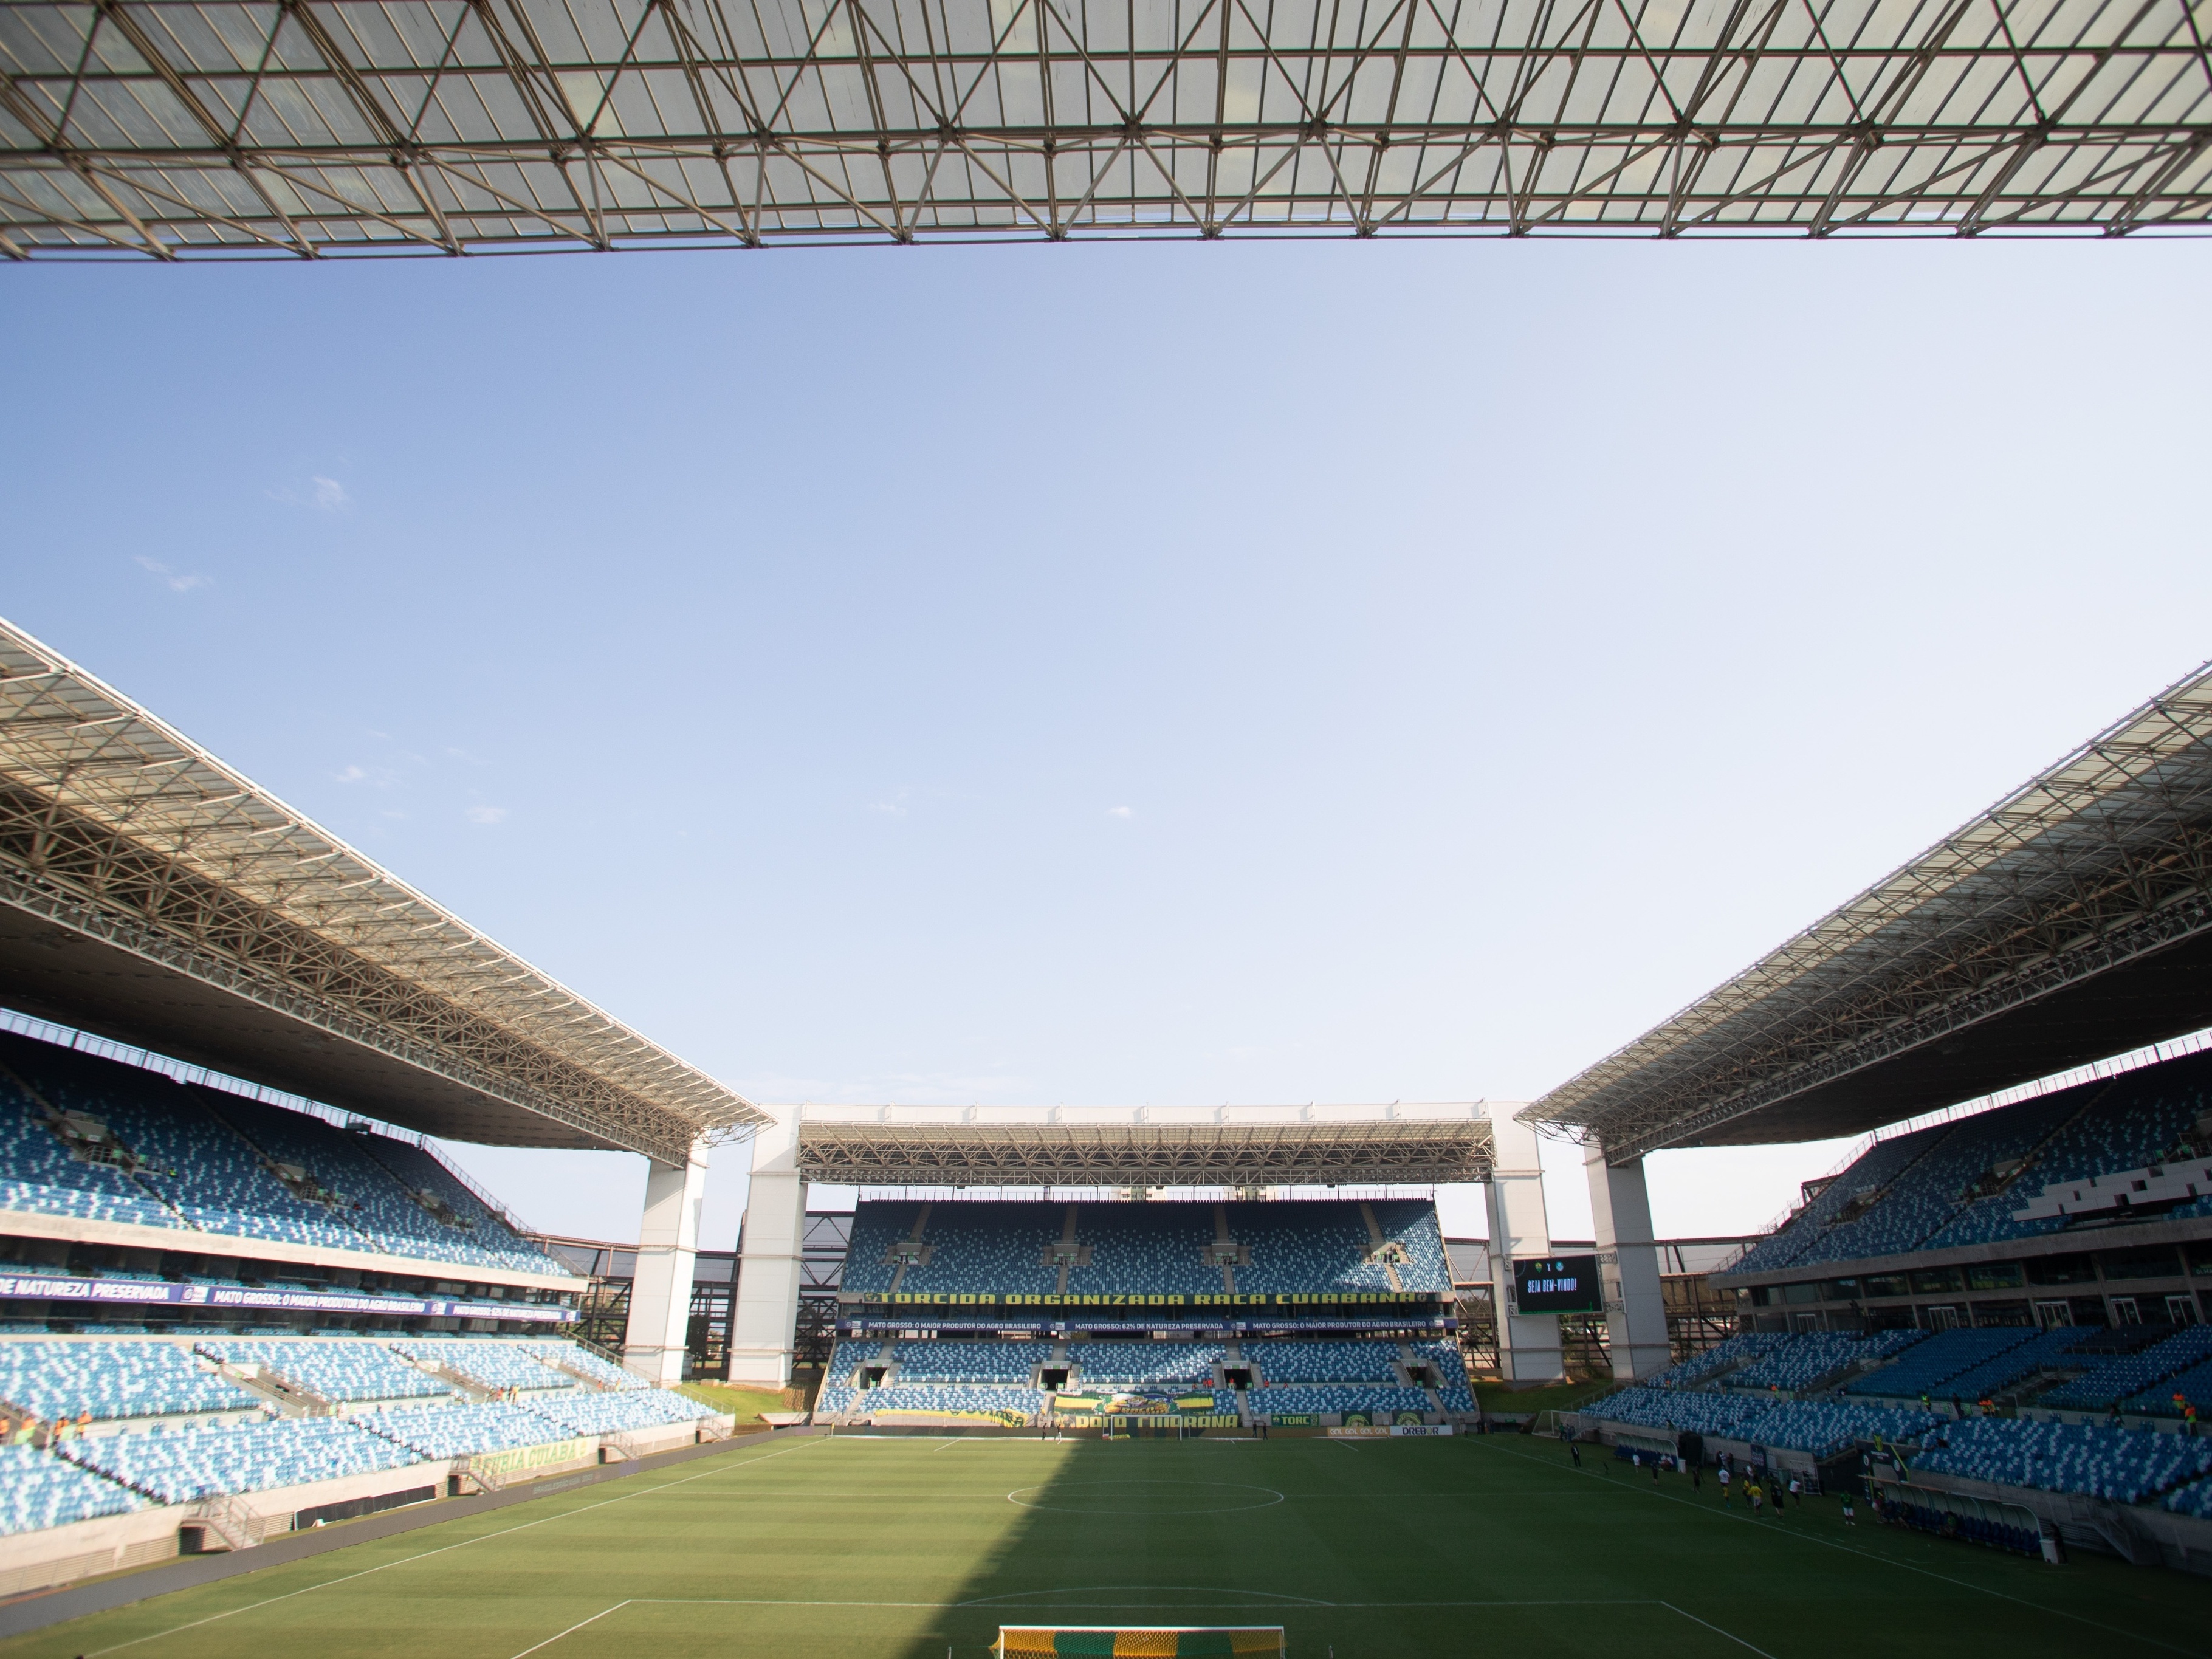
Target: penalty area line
572 1629
1716 1630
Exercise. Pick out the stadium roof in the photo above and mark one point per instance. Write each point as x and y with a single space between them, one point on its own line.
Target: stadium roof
1143 1145
2071 921
160 128
150 893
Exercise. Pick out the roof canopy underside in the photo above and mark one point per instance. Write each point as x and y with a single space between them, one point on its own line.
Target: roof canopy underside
162 129
1146 1153
2071 921
150 893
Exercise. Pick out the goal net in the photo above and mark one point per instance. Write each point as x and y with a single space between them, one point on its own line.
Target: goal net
1149 1642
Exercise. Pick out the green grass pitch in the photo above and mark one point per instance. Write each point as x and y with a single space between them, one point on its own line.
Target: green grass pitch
900 1548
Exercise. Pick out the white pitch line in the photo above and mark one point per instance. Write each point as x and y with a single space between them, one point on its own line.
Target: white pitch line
1716 1630
573 1629
1774 1529
424 1555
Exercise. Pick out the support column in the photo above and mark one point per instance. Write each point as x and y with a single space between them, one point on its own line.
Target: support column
1628 1264
1528 1353
765 1320
667 1249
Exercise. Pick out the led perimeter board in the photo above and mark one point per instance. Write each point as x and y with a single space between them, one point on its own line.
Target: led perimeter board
1557 1285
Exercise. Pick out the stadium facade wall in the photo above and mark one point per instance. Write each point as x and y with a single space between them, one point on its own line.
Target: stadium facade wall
668 1252
1628 1266
1530 1352
2141 1535
771 1257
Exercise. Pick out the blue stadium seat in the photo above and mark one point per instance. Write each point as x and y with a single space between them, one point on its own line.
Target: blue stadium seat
1929 1366
339 1369
114 1381
1137 1364
183 1465
1150 1248
489 1364
1334 1398
968 1362
1323 1361
465 1430
2125 1465
619 1412
38 1491
2122 1376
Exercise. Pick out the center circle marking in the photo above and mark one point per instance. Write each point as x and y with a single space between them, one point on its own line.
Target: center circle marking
1146 1497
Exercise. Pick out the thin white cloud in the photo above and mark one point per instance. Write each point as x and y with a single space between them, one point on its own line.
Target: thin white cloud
888 808
176 581
1119 812
329 494
486 814
353 774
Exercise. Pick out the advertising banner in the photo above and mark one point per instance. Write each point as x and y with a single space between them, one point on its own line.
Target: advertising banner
147 1291
533 1457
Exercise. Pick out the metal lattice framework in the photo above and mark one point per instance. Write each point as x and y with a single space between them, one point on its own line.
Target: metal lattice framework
308 127
1156 1146
116 828
2090 870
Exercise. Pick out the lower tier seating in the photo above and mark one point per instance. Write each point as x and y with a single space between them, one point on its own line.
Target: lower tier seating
1928 1366
1738 1350
1801 1361
1819 1426
341 1369
952 1397
2123 1465
180 1467
2122 1376
968 1362
620 1414
113 1380
38 1491
1142 1363
465 1430
486 1364
1321 1399
1324 1361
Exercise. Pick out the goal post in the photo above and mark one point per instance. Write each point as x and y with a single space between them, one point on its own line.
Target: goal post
1140 1642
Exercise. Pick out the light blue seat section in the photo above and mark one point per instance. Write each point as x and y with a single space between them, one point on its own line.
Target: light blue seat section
1412 1223
2123 1465
995 1248
2132 1121
2195 1498
968 1362
2042 1350
1804 1359
182 1466
38 1491
617 1413
1738 1350
1153 1250
950 1397
202 1169
1318 1244
490 1365
2125 1376
489 1235
1823 1427
1138 1364
465 1430
2193 1385
113 1380
1928 1366
336 1368
1452 1388
1324 1361
835 1397
1806 1237
1324 1398
1814 1426
878 1224
575 1357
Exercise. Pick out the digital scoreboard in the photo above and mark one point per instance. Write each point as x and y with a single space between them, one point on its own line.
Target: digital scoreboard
1557 1285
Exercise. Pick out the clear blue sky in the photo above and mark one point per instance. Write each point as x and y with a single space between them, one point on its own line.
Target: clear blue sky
1159 673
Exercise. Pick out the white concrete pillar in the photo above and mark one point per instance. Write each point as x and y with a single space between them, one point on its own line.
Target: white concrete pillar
668 1247
765 1322
1528 1354
1628 1264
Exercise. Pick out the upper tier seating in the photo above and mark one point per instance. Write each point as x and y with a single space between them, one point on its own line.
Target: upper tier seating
113 1380
339 1369
1928 1366
2123 1465
574 1357
617 1413
1324 1361
38 1491
202 1165
968 1362
495 1365
1005 1248
1140 1363
465 1430
1153 1248
1738 1350
1804 1359
2125 1376
1928 1179
181 1467
2195 1498
951 1397
1319 1398
2130 1122
1722 1414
